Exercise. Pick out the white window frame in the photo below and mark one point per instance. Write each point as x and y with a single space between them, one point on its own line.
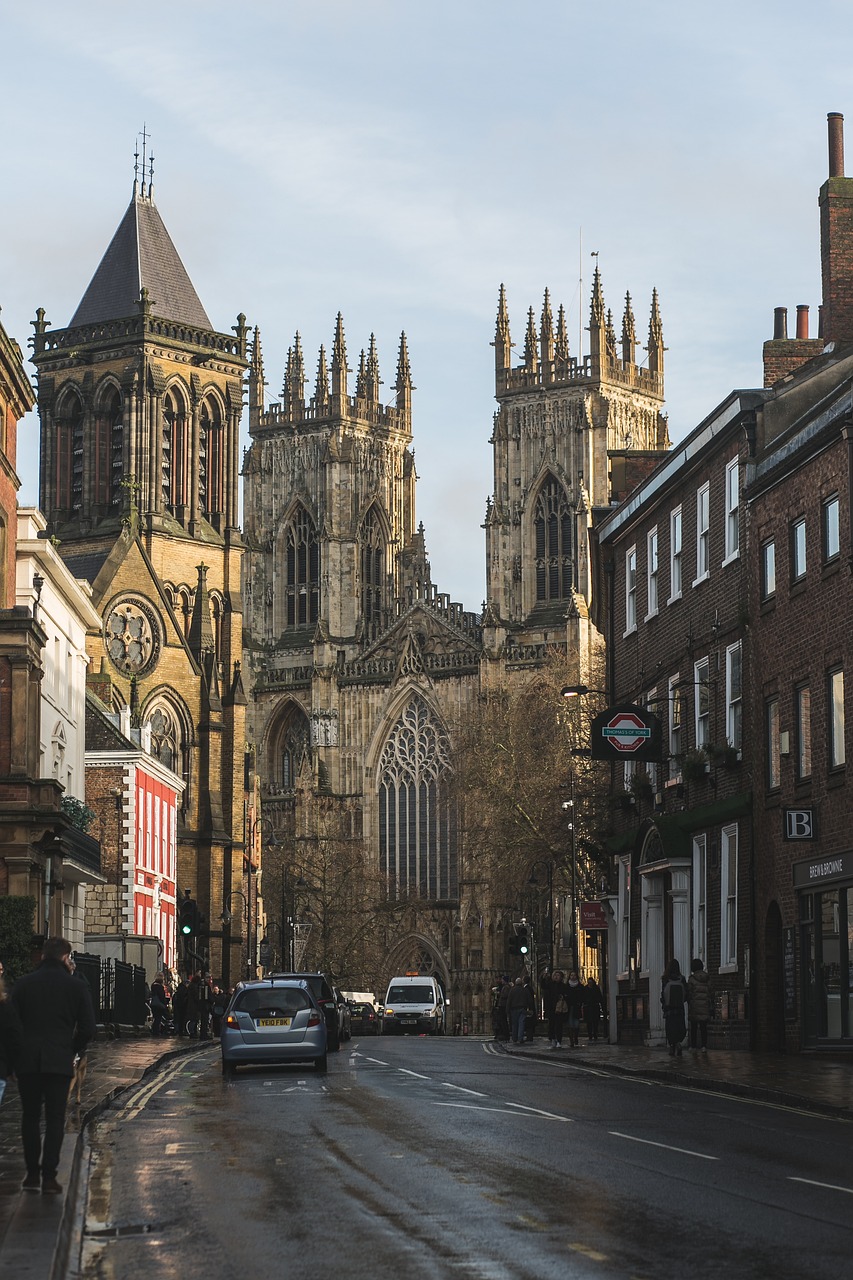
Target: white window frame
652 575
675 710
830 518
703 534
675 555
728 898
732 539
700 898
624 917
630 590
837 756
702 702
768 569
799 550
734 698
773 771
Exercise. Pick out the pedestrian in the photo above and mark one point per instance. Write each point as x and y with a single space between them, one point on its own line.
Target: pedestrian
193 1005
593 1007
699 1006
555 1004
205 1006
520 1000
11 1036
530 1016
180 998
574 1002
217 1009
58 1022
502 1029
159 1004
674 998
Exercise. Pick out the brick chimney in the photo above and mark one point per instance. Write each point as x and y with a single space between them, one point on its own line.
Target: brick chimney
836 240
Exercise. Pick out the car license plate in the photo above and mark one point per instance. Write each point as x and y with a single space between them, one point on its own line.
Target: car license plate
274 1022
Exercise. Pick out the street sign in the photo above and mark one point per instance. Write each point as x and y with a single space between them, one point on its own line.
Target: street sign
593 915
625 732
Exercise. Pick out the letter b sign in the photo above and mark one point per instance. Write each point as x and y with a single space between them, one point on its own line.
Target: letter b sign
799 824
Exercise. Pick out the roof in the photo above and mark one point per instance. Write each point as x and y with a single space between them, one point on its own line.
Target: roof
87 565
141 255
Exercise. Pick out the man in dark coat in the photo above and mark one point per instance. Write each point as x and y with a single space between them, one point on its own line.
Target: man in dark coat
58 1022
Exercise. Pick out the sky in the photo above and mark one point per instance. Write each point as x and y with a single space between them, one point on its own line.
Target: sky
397 161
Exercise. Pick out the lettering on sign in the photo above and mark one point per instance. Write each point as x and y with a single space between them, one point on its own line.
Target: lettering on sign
799 824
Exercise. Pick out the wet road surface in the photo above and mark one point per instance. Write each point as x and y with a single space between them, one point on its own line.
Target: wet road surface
424 1158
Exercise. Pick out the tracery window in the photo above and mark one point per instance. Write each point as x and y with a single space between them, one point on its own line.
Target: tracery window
68 458
293 745
417 810
176 452
302 584
372 574
108 450
210 462
552 524
164 738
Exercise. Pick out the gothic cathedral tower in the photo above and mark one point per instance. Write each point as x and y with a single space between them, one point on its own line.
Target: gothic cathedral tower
140 402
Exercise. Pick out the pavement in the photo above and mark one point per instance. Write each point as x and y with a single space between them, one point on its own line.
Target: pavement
34 1229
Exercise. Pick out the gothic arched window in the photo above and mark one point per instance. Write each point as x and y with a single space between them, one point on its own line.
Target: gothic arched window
302 568
176 452
552 523
108 450
164 737
289 747
417 810
211 478
372 574
68 456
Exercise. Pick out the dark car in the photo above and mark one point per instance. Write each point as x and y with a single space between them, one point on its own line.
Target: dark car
324 994
364 1019
344 1019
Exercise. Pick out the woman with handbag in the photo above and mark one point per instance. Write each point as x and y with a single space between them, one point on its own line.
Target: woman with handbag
555 1004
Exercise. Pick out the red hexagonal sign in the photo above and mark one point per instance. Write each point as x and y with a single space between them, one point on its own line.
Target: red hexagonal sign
626 730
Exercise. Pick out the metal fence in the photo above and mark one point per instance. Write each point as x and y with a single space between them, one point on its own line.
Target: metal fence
118 989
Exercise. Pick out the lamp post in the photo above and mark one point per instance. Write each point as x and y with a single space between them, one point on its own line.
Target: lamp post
548 864
227 916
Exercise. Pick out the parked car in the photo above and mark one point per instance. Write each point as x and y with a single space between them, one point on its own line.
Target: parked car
273 1021
364 1019
323 992
344 1018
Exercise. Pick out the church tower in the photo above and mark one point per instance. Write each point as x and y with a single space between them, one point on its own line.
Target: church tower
140 401
570 434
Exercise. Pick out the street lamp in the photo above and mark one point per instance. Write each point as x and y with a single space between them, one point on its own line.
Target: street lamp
227 916
580 691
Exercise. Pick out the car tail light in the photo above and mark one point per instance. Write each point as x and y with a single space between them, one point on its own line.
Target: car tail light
231 1021
314 1018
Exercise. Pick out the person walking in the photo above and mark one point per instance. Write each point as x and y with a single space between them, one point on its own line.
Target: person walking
674 998
593 1007
519 1002
180 997
699 1005
159 1004
58 1021
574 1003
555 1005
11 1036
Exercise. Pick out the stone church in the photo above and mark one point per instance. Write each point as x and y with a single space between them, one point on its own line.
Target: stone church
140 400
360 670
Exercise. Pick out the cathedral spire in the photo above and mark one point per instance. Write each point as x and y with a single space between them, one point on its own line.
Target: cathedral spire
200 637
561 344
655 347
610 337
297 376
321 385
361 378
546 331
257 381
531 354
629 333
372 371
597 328
403 385
502 343
288 371
339 360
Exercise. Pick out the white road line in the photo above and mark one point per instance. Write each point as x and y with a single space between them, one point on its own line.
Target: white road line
700 1155
473 1092
535 1111
377 1061
407 1072
519 1115
827 1186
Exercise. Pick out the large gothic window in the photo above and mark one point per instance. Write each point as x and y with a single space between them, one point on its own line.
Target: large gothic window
176 452
302 584
289 747
417 811
552 523
108 449
372 574
211 462
68 457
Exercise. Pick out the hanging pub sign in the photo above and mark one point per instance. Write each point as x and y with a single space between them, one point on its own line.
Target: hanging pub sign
625 732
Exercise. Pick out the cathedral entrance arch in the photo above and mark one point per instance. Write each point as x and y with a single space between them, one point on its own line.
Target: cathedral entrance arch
415 954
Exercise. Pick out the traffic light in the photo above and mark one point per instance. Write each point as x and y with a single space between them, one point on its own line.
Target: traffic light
522 940
188 918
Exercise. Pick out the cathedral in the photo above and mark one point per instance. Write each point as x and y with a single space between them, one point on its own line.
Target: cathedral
361 671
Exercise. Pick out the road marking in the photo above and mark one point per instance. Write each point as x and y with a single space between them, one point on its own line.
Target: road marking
519 1115
593 1254
134 1106
827 1186
407 1072
700 1155
473 1092
549 1115
378 1061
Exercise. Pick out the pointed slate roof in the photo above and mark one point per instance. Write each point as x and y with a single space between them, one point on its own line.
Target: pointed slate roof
141 255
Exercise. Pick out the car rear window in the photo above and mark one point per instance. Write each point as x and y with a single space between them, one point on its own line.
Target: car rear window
273 1000
410 995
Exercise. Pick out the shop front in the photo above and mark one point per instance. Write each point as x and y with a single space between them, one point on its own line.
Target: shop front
825 899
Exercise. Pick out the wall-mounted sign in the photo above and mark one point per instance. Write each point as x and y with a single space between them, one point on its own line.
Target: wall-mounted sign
799 824
593 915
817 871
625 732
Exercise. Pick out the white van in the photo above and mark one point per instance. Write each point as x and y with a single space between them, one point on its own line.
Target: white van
416 1003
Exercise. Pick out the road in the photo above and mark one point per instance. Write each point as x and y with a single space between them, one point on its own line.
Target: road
432 1158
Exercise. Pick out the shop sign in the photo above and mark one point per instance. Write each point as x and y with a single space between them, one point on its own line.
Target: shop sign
799 824
593 915
625 732
816 871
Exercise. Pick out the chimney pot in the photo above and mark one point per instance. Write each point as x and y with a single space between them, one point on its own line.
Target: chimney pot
835 121
780 323
802 321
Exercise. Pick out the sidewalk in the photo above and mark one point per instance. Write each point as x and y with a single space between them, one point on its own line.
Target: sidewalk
810 1081
31 1225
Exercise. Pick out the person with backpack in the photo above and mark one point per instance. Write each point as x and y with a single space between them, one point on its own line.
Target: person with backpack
674 998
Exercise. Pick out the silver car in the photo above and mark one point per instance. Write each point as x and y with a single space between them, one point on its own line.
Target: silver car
273 1021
